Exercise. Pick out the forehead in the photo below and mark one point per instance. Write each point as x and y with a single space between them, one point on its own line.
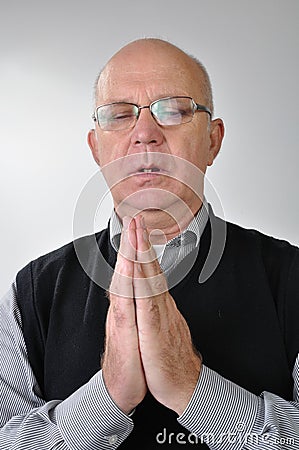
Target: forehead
150 72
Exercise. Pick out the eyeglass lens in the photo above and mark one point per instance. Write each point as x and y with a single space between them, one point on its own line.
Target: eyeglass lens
168 111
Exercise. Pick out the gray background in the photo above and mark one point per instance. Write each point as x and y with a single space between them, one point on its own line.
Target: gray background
50 55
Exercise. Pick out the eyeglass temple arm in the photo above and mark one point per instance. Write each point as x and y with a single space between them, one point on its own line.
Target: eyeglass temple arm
203 108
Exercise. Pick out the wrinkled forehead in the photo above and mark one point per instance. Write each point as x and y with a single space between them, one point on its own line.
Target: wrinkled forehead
159 72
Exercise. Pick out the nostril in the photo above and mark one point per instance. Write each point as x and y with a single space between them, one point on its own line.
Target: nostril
151 141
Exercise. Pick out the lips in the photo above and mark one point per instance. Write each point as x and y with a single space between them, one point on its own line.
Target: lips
148 167
144 166
149 170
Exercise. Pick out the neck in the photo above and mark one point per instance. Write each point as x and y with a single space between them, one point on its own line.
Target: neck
162 225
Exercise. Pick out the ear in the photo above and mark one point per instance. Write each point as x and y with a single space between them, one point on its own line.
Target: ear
93 143
216 137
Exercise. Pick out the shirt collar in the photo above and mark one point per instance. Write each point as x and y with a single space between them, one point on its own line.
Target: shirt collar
196 226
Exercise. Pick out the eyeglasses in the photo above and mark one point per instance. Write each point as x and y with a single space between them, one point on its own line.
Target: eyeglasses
166 111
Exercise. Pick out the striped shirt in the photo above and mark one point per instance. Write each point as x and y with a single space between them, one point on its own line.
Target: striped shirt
176 249
220 413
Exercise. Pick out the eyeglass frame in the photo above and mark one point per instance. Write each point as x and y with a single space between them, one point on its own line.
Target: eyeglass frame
197 107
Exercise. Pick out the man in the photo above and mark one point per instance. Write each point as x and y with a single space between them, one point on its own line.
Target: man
147 354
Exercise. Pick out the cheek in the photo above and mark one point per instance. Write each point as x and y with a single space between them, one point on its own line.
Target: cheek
192 147
110 148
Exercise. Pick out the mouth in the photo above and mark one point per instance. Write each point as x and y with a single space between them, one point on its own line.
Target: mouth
149 170
145 174
149 173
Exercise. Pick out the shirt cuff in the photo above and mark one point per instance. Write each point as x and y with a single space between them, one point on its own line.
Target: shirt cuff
90 419
220 413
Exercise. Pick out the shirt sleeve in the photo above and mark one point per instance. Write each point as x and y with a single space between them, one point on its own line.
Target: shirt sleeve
227 417
87 419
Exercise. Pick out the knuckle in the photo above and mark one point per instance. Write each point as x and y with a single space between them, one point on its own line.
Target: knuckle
158 284
119 316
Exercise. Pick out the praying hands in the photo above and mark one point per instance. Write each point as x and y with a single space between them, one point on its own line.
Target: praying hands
148 342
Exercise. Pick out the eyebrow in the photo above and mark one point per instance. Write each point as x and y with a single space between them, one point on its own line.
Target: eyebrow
127 100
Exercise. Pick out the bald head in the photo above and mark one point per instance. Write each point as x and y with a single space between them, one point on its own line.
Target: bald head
146 56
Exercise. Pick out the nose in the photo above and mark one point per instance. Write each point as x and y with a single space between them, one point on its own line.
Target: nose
146 131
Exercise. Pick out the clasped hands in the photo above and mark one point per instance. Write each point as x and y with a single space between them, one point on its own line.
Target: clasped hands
148 343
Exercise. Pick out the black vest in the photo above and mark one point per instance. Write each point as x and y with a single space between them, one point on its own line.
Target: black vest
243 319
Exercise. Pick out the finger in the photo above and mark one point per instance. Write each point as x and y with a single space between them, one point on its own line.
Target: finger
121 283
121 318
122 367
127 248
145 251
149 279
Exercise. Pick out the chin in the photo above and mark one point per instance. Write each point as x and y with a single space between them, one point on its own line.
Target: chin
152 200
